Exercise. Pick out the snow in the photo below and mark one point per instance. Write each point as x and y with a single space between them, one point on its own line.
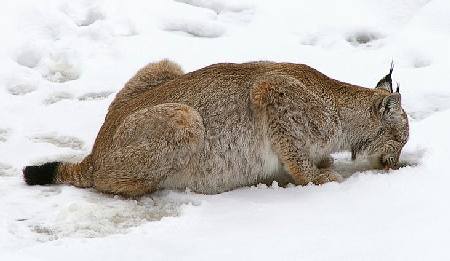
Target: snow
61 62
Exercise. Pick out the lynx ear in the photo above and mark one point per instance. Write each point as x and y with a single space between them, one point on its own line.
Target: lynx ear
386 82
391 104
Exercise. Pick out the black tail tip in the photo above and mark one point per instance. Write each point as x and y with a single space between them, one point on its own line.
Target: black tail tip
40 175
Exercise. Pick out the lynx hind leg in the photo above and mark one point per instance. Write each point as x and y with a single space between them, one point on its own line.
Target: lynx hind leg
149 145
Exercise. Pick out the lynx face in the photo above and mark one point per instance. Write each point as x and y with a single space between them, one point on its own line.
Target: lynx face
394 127
400 128
392 134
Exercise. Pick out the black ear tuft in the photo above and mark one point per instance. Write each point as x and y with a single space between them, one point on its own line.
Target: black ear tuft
398 88
386 81
40 175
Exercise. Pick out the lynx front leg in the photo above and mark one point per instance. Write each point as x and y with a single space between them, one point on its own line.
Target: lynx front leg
287 121
150 145
296 163
293 154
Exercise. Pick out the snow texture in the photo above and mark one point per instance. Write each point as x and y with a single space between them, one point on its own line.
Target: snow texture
61 62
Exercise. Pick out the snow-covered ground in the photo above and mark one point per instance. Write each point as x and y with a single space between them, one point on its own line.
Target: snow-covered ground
61 62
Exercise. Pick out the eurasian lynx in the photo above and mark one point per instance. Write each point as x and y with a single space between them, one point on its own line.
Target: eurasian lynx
232 125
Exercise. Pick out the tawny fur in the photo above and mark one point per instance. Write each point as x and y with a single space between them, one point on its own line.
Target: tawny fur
151 75
232 125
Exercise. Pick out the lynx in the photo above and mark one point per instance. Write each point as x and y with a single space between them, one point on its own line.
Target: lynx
231 125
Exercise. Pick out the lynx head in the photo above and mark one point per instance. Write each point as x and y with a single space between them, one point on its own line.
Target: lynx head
393 130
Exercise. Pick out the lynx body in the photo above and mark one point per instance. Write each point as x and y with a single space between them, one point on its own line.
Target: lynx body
231 125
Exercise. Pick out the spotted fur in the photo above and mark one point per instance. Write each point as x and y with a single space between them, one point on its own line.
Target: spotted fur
231 125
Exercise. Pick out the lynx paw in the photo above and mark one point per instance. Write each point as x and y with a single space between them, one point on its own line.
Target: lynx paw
389 161
327 175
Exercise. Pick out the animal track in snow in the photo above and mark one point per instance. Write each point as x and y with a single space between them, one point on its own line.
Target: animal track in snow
7 170
432 104
4 133
94 96
217 6
95 22
44 233
57 96
363 38
82 14
211 25
59 141
206 29
93 15
420 62
21 88
50 191
28 56
61 66
22 82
